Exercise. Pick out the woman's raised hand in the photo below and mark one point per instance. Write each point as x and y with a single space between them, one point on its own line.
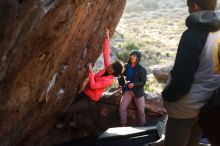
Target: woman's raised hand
90 67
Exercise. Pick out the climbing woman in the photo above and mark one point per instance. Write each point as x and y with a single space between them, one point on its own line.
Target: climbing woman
97 84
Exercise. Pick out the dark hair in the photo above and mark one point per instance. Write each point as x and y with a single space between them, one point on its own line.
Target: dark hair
204 4
117 67
137 54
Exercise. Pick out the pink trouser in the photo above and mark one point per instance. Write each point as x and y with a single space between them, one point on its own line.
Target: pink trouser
140 104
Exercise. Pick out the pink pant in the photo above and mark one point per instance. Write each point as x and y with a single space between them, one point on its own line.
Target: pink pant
140 104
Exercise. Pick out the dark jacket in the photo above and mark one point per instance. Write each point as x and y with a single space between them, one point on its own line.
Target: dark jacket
188 54
139 79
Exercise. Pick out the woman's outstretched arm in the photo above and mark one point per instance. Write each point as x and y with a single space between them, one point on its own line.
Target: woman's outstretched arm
106 51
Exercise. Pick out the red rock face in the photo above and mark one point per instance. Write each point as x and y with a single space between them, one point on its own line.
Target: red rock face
44 48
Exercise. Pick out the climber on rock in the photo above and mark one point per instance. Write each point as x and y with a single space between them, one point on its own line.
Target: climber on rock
97 84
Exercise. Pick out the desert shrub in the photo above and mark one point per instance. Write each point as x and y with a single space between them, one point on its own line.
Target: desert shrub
123 55
148 87
130 46
126 49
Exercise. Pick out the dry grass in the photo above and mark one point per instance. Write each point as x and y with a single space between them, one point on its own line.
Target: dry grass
155 26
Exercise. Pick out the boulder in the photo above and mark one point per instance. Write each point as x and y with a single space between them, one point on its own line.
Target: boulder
45 46
105 114
162 73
